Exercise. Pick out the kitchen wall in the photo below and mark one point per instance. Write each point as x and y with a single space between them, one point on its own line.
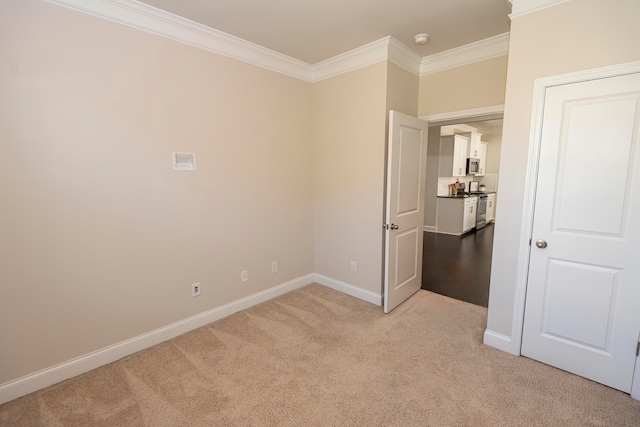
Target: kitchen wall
572 36
439 186
489 181
100 238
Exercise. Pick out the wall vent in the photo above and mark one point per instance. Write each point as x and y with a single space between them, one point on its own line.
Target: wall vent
184 161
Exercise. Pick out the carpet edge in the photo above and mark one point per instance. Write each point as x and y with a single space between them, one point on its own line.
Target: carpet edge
54 374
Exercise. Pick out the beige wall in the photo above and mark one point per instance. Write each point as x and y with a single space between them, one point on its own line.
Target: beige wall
572 36
481 84
100 239
349 113
431 184
402 90
494 145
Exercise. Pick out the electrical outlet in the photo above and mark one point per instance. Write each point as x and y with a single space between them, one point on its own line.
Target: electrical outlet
195 290
274 267
354 266
244 276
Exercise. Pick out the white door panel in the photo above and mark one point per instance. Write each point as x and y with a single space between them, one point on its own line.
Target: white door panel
583 289
407 157
596 156
590 291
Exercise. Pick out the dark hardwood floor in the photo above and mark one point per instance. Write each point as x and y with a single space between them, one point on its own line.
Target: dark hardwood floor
459 266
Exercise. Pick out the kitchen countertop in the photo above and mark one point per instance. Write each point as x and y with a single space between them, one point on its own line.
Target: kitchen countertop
465 195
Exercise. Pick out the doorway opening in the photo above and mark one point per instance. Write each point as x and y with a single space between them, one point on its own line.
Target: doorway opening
458 228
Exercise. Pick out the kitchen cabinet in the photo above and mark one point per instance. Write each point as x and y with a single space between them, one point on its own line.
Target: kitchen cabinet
456 215
482 156
473 149
453 155
491 207
469 220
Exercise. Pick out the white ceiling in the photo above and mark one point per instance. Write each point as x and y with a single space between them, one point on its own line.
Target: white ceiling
315 30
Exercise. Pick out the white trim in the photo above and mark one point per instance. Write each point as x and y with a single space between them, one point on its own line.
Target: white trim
481 50
498 341
540 87
404 57
348 289
430 228
526 227
448 233
352 60
635 385
156 21
385 49
524 7
159 22
79 365
472 113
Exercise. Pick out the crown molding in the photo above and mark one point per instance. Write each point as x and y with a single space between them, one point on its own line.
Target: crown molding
352 60
404 57
152 20
385 49
156 21
524 7
481 50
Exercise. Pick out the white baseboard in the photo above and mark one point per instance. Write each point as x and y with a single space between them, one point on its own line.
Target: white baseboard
71 368
430 228
348 289
497 341
635 385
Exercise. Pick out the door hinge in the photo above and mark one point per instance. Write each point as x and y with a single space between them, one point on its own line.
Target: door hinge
638 349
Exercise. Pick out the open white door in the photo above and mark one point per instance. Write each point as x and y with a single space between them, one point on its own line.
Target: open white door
407 159
582 310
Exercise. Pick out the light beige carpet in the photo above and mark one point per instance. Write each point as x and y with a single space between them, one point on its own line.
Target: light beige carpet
316 357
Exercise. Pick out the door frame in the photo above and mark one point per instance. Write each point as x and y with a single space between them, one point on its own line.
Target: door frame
535 136
454 117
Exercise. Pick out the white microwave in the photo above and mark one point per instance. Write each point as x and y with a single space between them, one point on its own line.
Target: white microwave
473 166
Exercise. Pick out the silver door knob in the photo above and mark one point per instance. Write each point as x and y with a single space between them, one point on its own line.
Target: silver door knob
394 227
541 243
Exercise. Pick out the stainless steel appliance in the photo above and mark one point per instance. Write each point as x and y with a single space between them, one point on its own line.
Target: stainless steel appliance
481 211
473 166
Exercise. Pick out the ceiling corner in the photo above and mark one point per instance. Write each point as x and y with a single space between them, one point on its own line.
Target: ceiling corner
152 20
524 7
404 57
352 60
